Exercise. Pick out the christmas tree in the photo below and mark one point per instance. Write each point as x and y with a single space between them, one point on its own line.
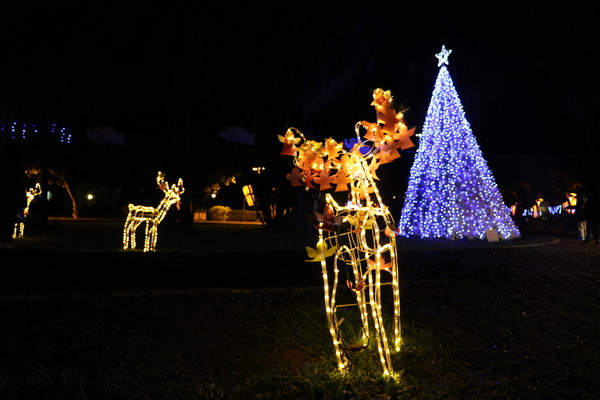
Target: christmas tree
451 192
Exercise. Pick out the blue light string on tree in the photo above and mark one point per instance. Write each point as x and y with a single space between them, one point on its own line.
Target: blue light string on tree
451 192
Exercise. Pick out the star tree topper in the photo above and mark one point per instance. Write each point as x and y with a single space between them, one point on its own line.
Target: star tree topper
442 56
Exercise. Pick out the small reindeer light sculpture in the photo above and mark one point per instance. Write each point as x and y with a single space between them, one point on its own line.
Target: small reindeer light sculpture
152 216
357 237
30 193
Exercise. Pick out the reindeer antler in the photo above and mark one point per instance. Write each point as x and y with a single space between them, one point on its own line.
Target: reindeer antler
160 181
178 188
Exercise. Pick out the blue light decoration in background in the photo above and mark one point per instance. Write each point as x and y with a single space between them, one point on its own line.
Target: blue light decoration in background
22 131
451 192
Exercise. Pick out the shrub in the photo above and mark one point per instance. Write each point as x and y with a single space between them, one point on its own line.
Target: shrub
219 213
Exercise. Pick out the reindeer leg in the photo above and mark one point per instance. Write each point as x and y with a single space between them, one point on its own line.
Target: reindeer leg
153 233
377 314
126 233
396 296
376 299
330 307
134 226
147 236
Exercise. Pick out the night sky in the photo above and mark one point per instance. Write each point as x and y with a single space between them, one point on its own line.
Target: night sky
526 75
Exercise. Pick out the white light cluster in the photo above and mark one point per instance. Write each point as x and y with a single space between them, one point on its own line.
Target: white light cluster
451 192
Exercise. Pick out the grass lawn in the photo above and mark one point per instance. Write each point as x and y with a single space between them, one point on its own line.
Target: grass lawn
478 323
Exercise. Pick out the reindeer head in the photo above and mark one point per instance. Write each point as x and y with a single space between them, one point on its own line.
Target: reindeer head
173 192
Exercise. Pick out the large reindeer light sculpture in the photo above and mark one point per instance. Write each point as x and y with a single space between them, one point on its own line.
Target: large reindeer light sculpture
152 216
357 237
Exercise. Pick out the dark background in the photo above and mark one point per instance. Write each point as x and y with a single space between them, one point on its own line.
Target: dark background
172 77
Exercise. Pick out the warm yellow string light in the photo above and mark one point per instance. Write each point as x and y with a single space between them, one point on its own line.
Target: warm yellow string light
151 216
361 234
30 193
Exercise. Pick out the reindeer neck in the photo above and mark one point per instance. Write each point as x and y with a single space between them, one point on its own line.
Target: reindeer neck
364 191
163 207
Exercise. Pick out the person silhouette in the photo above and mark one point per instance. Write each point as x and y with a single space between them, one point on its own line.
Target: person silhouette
593 209
581 215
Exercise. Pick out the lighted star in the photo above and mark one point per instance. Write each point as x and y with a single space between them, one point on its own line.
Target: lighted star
442 56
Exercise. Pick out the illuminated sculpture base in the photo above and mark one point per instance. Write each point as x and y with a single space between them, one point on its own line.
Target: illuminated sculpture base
151 216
